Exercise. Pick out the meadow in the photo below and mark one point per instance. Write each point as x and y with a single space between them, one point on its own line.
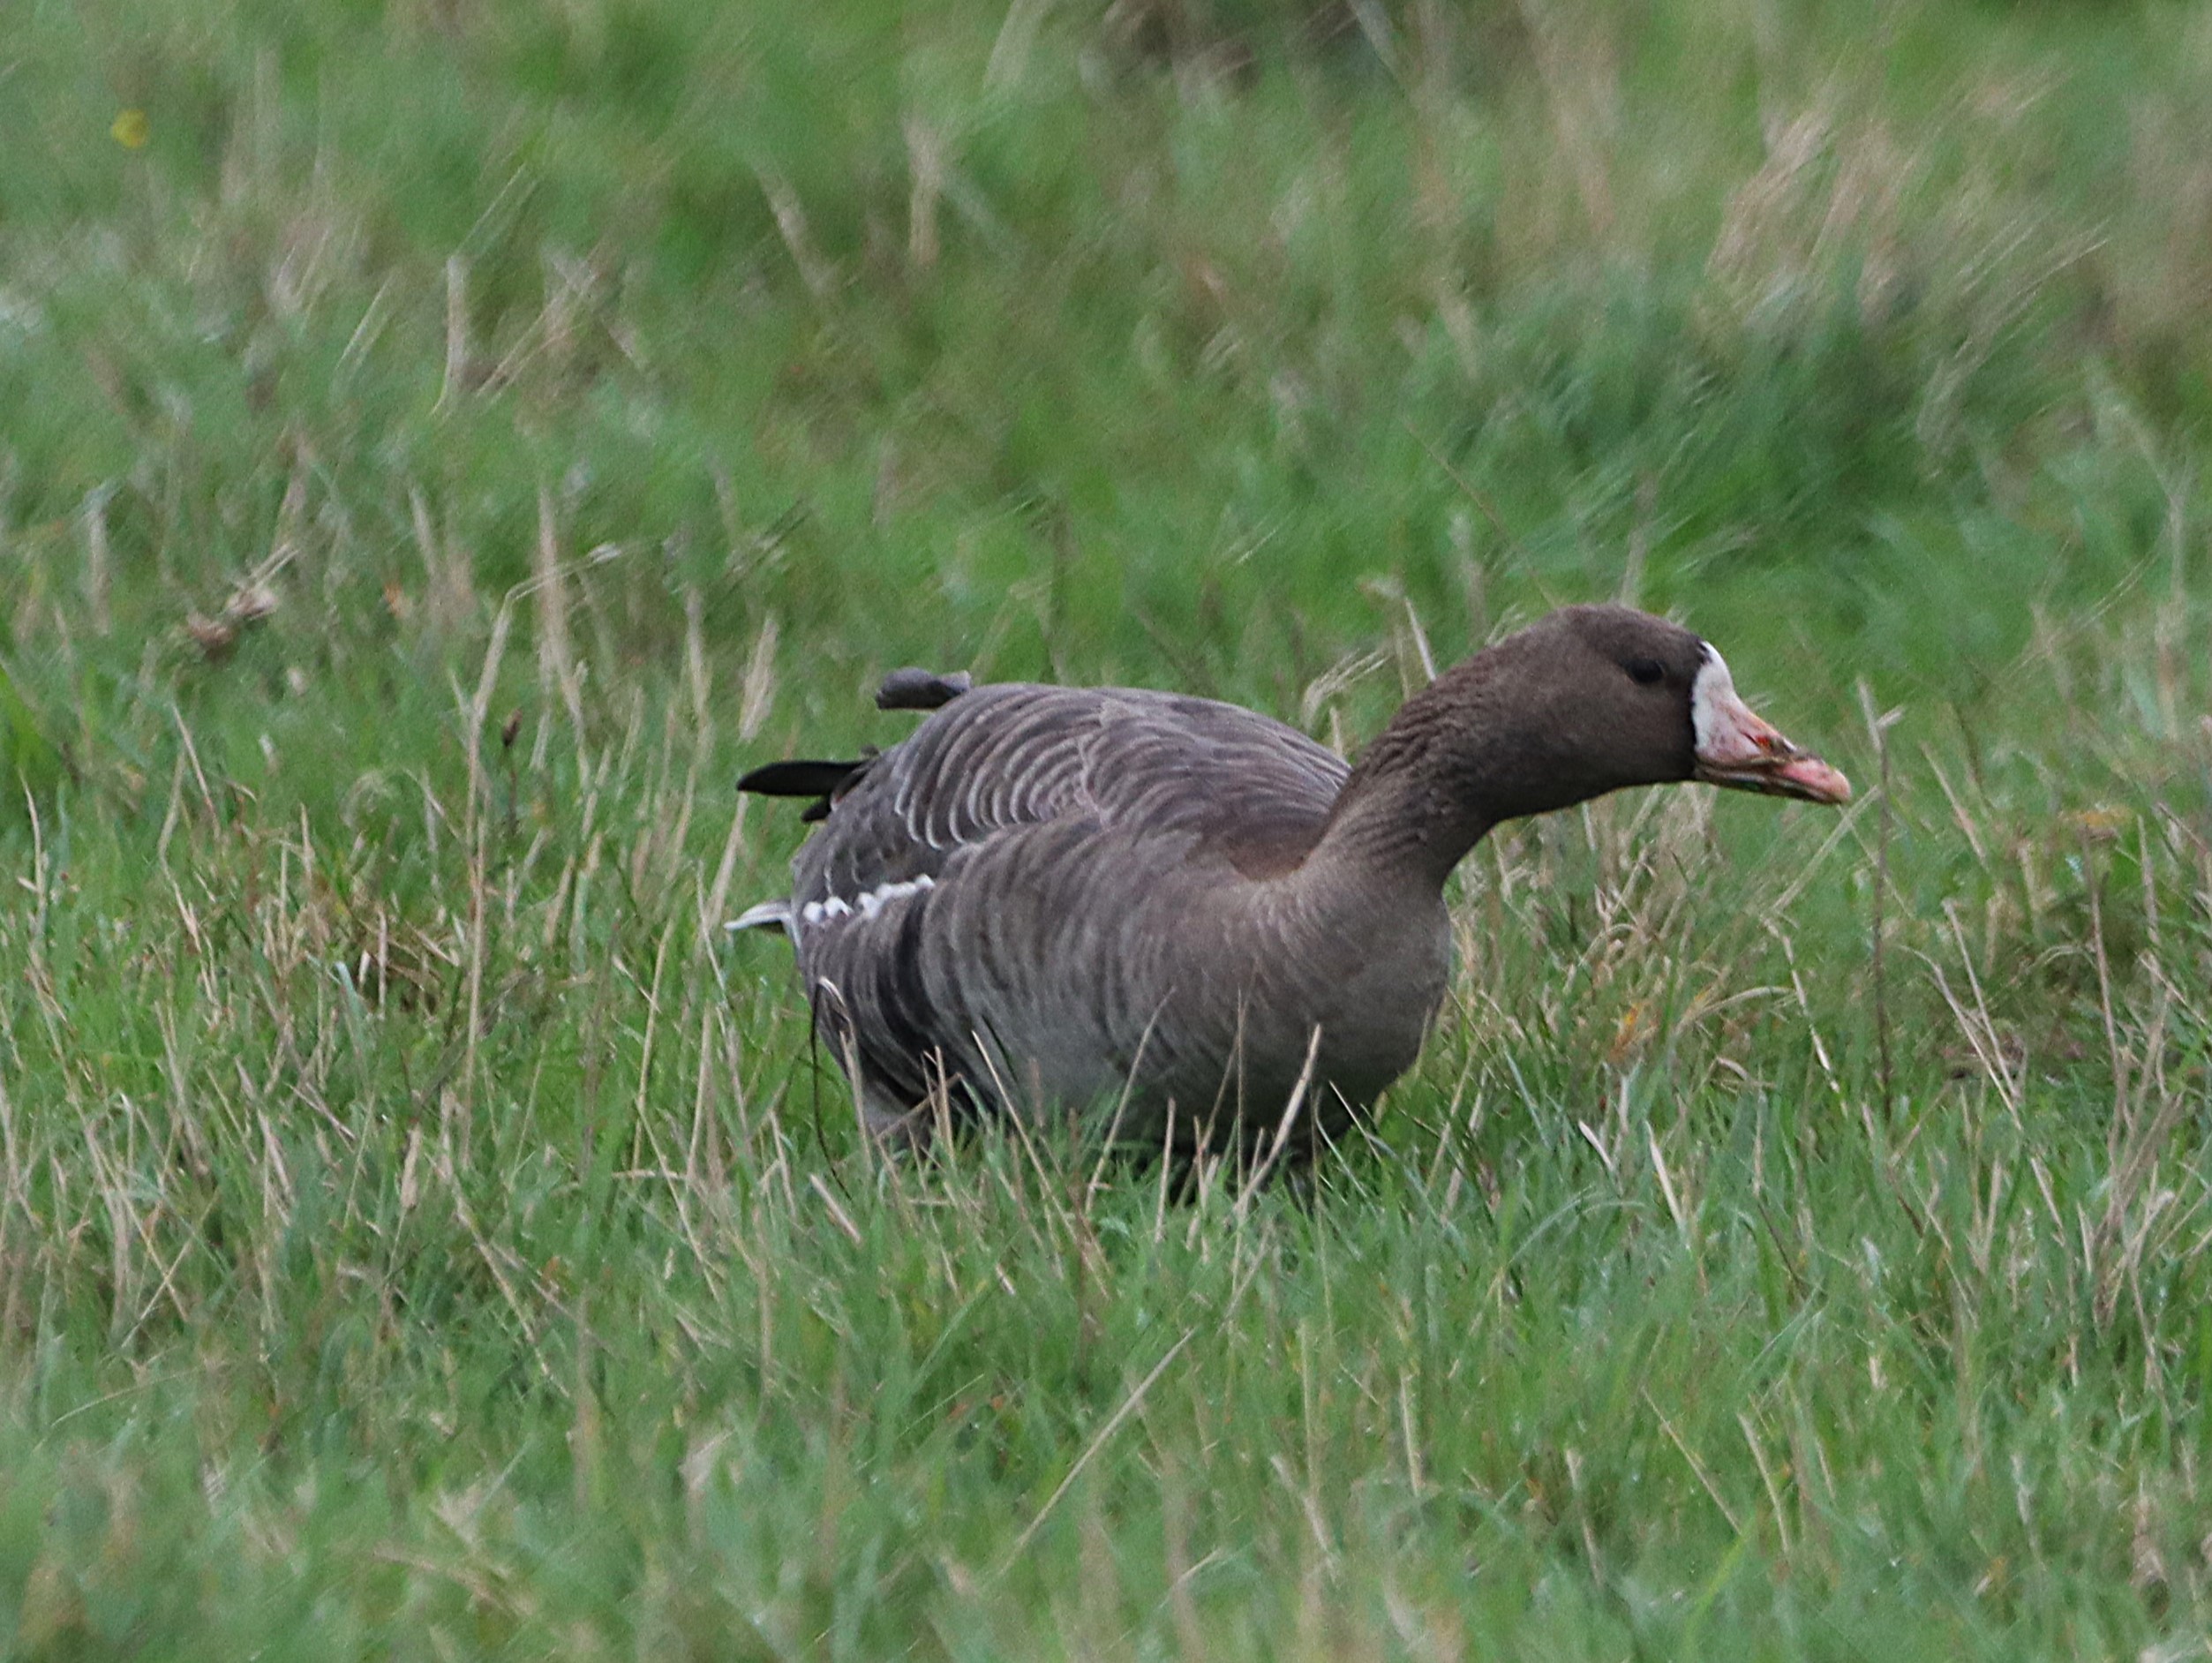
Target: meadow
442 443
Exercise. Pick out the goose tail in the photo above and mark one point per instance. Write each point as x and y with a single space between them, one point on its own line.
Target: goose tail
769 915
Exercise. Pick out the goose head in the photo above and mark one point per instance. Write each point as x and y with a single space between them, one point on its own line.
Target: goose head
1586 701
1607 696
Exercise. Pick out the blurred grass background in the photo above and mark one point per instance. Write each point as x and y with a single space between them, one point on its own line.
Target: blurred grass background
442 442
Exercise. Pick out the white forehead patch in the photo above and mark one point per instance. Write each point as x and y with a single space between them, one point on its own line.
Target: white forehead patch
1712 696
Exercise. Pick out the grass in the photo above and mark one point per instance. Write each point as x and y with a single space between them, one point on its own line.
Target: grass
459 438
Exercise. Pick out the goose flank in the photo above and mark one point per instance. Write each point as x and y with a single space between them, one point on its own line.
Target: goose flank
1163 906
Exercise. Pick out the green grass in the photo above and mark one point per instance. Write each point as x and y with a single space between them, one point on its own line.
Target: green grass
424 1234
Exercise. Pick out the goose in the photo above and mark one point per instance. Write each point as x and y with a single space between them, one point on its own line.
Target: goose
1189 916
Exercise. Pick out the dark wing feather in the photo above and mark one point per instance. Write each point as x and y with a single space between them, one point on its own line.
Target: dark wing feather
912 690
799 778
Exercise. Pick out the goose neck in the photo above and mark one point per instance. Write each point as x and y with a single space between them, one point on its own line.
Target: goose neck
1434 781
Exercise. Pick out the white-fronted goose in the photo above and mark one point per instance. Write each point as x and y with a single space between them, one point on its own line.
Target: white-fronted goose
1114 896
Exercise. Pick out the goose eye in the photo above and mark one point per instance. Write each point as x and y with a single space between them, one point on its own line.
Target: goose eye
1646 672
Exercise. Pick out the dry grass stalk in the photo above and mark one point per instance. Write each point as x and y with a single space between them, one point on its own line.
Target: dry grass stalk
558 673
818 274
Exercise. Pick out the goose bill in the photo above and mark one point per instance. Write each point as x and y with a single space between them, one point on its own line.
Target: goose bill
1739 748
1796 774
